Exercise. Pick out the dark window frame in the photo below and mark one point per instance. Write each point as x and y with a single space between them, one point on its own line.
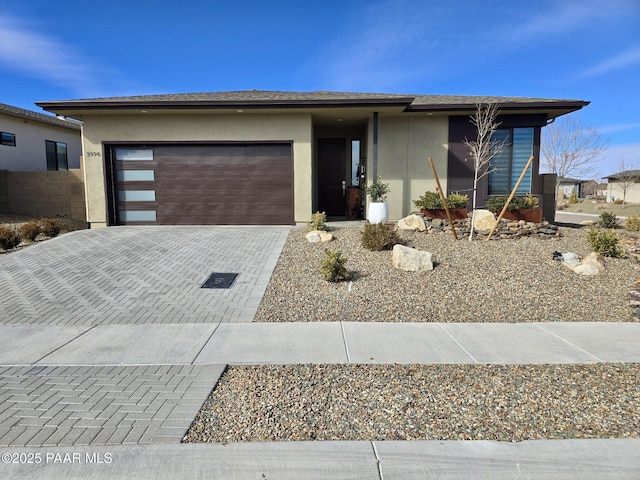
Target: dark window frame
4 141
57 155
508 172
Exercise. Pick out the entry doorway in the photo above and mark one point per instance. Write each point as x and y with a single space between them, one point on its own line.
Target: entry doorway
332 176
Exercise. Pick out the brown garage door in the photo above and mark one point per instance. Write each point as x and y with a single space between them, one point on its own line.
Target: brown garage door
230 184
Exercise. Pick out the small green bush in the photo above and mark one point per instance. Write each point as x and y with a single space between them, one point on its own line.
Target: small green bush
334 266
50 227
606 243
380 236
573 198
633 223
608 220
496 204
317 222
30 230
456 200
430 201
530 202
9 238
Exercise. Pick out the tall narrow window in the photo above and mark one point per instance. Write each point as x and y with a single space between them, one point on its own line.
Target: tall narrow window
56 155
509 163
355 162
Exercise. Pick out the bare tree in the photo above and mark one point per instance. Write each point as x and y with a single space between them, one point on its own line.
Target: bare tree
570 149
626 178
483 149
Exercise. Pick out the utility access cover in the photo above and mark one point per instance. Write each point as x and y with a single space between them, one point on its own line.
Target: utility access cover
220 280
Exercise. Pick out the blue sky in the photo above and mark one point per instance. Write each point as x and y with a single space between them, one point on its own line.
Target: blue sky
575 49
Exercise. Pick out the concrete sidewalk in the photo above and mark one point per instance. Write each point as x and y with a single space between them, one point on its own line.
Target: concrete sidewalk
564 459
326 342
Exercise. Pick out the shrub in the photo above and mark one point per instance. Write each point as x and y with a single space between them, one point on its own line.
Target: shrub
50 227
9 238
496 204
608 220
317 222
334 266
432 201
455 200
378 191
380 236
633 223
605 242
30 230
530 202
573 198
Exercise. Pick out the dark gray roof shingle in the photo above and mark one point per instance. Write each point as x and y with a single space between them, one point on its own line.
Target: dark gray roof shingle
266 98
40 117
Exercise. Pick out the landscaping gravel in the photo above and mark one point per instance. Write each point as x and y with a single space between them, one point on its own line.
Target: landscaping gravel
421 402
496 281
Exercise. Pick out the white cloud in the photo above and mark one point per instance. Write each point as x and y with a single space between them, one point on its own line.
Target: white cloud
622 60
395 42
619 128
46 57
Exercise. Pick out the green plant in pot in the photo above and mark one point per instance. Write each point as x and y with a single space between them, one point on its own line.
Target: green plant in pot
520 208
378 211
430 204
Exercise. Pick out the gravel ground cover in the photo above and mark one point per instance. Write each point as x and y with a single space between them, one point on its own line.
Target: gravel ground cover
421 402
479 281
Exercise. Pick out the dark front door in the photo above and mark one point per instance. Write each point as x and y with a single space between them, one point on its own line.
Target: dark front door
331 175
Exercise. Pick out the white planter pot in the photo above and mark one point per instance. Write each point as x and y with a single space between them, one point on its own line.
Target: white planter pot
378 212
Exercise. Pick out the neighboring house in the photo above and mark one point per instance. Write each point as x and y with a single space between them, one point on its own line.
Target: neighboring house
617 183
568 185
260 157
31 141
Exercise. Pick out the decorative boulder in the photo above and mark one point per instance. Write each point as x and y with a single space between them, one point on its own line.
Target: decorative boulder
411 260
594 259
319 236
483 220
586 269
412 222
570 260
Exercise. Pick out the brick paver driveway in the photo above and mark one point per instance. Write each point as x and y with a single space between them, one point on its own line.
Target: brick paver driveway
101 328
135 275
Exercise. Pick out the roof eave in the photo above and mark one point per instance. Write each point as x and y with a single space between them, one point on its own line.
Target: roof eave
215 105
459 108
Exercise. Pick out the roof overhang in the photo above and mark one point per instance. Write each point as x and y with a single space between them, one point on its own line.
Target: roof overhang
253 100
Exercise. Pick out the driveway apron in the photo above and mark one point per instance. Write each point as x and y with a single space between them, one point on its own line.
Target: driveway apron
101 328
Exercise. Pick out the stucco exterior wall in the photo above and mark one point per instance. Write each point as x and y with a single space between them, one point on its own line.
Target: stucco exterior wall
404 147
29 154
615 192
204 127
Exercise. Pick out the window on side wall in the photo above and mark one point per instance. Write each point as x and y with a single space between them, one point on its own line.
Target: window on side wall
509 163
8 139
56 155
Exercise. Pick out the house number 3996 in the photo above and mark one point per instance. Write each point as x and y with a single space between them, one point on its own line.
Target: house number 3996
93 154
